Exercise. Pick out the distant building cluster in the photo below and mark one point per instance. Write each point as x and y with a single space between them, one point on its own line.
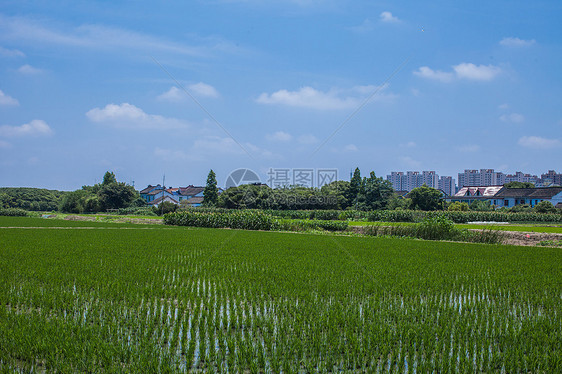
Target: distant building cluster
412 179
407 181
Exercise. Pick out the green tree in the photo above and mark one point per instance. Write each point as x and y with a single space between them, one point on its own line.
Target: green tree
457 206
74 202
481 206
164 207
211 192
355 187
545 207
375 193
338 191
519 185
109 178
426 198
116 195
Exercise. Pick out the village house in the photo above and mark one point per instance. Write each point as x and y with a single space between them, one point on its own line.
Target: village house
154 195
508 197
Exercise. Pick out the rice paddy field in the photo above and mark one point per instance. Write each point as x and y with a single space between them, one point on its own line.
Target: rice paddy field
101 297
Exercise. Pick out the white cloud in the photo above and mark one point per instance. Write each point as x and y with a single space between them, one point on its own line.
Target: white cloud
36 127
173 94
11 52
428 73
516 42
308 97
538 142
388 17
503 106
5 145
463 70
7 100
333 99
476 72
29 70
470 148
307 139
203 90
21 29
279 136
513 117
127 115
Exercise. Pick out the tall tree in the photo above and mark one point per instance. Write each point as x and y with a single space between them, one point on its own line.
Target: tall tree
377 192
211 192
355 187
109 178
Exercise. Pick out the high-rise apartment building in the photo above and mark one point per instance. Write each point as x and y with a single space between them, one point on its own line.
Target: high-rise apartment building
447 185
412 179
521 177
482 177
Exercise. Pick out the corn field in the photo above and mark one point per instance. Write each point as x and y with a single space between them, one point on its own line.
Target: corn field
175 299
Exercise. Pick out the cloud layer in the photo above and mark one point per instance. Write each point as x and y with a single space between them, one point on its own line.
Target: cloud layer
174 94
126 115
465 70
516 42
388 17
308 97
7 100
36 127
537 142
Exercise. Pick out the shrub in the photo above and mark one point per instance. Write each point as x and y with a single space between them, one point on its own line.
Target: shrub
436 228
457 206
247 220
545 207
13 212
164 207
304 225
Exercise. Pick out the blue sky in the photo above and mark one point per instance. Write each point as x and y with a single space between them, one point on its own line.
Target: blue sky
88 86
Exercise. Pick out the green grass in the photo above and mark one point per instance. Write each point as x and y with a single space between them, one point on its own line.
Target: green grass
193 299
54 222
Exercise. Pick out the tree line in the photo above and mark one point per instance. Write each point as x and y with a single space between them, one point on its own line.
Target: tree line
100 197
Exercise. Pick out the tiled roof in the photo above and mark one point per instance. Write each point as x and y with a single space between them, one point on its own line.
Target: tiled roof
148 189
165 198
195 200
479 191
190 191
533 193
546 193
